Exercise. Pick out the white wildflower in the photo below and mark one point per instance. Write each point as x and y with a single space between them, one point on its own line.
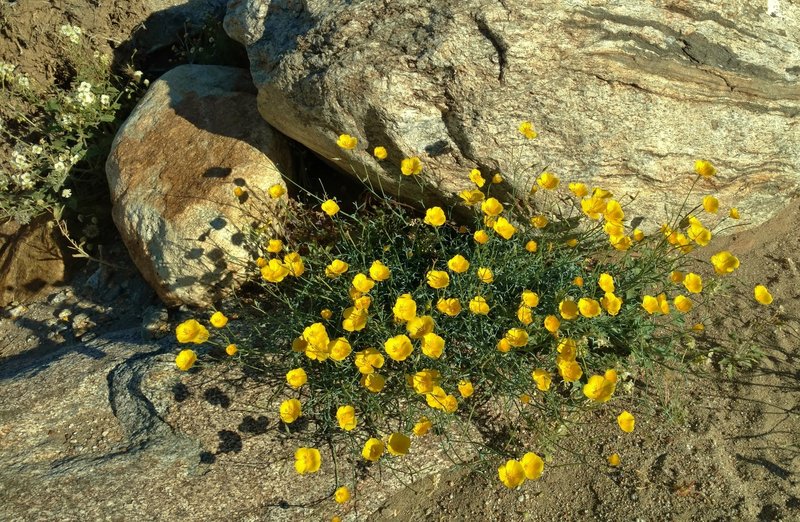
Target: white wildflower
19 160
24 82
137 75
59 166
23 181
67 120
36 150
6 71
66 193
71 33
105 100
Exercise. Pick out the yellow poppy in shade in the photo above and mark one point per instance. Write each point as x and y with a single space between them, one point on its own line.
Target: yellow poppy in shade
231 349
611 303
465 388
458 264
432 345
326 313
704 168
374 382
589 308
481 236
531 246
497 178
336 268
380 153
526 129
218 320
346 417
503 345
398 347
676 276
274 246
471 197
478 305
341 495
762 295
539 221
422 427
485 275
299 345
296 378
450 306
379 272
568 309
711 204
239 192
277 190
191 332
290 410
542 379
261 262
307 460
503 228
577 281
511 474
547 181
424 381
724 262
294 263
626 421
530 298
330 207
373 449
404 308
533 466
435 217
682 303
693 283
638 234
347 142
411 166
572 243
185 360
438 279
475 177
579 189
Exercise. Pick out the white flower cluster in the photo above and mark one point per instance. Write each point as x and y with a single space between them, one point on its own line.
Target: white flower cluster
20 161
71 33
85 96
23 180
6 71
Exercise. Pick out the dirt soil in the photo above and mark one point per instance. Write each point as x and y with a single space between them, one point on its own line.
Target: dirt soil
708 445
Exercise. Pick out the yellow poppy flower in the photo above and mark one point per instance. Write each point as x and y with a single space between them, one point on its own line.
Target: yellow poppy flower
481 236
711 204
380 153
682 303
185 360
373 449
239 192
593 207
570 371
450 306
379 272
531 246
485 275
542 379
611 303
599 389
704 168
432 345
367 360
606 282
478 305
724 262
347 142
330 207
362 283
492 207
307 460
411 166
471 197
676 276
438 279
552 324
539 221
191 332
374 382
525 315
290 410
420 326
336 268
274 246
435 217
341 495
577 281
398 347
346 416
296 378
547 181
465 388
503 228
404 308
530 299
526 128
579 189
339 349
568 309
589 308
475 177
613 460
458 264
626 421
497 178
355 319
762 295
424 381
734 213
277 190
517 337
638 235
422 427
503 345
533 466
231 349
511 474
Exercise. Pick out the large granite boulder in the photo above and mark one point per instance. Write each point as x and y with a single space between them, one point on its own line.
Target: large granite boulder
174 165
626 95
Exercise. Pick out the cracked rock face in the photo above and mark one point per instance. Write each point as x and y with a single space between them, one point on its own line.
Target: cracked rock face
173 168
624 96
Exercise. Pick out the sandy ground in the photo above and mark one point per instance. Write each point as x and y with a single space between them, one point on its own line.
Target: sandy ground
710 444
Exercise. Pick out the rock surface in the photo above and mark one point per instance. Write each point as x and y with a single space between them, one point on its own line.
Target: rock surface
31 260
625 95
193 138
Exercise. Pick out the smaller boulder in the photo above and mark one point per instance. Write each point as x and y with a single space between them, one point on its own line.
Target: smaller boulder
174 165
